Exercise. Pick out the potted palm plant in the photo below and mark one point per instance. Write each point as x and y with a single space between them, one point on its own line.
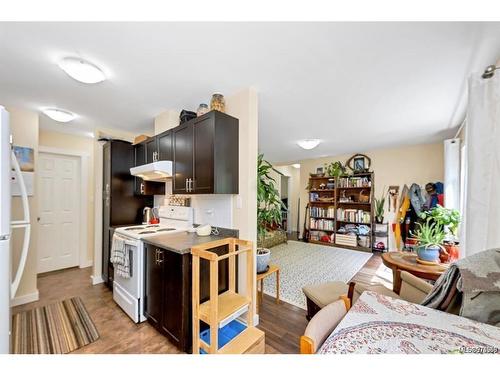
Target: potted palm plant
429 237
379 209
269 208
447 219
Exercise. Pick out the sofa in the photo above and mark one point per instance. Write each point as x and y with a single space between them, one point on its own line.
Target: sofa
328 303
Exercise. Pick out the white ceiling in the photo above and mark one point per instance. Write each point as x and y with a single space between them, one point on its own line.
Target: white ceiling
356 86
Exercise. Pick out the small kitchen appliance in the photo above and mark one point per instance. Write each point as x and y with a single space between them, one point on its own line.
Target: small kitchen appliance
146 215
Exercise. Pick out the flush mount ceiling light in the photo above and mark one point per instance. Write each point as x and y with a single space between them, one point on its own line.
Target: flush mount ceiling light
297 166
308 144
59 114
82 70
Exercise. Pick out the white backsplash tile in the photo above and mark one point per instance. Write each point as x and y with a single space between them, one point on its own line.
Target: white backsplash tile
216 210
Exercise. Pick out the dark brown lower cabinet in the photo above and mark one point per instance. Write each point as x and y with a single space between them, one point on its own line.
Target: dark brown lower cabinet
167 299
167 291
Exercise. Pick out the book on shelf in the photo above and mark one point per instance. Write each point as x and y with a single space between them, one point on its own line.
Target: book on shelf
321 224
346 182
354 216
323 212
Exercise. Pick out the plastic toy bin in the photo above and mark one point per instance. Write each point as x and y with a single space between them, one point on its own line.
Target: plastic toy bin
226 333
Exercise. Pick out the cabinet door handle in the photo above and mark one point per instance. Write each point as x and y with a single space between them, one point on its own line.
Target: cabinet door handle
156 256
160 257
187 185
142 188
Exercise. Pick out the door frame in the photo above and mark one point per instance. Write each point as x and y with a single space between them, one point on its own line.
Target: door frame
83 260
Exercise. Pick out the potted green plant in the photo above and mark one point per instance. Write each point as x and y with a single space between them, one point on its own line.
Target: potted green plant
429 237
379 209
447 219
334 169
269 208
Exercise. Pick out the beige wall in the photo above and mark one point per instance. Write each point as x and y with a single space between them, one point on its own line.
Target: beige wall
24 129
244 106
394 166
72 143
166 120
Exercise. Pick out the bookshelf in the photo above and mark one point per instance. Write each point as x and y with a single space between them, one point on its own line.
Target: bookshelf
341 211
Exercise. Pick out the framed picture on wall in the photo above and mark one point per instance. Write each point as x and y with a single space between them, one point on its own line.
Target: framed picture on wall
319 170
359 163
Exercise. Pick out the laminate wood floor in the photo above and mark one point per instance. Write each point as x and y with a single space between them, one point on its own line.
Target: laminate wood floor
283 323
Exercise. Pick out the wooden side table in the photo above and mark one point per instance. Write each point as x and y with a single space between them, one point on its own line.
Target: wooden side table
403 261
261 276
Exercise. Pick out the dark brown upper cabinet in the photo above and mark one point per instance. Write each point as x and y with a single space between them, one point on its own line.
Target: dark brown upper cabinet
140 153
165 145
183 157
205 153
151 149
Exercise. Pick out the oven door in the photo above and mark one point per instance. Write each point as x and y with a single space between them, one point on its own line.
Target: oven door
127 290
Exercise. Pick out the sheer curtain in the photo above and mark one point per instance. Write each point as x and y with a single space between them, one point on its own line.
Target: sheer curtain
481 229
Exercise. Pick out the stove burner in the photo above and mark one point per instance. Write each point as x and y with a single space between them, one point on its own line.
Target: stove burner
165 229
135 228
147 232
152 226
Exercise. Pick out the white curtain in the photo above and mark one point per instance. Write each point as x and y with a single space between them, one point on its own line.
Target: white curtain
482 178
452 173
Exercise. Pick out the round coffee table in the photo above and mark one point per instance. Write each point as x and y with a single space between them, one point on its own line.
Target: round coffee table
403 261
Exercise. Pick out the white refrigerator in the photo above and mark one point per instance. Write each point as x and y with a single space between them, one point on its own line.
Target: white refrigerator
5 200
8 285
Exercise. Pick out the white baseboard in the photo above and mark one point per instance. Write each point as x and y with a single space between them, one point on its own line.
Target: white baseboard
86 263
256 320
96 279
27 298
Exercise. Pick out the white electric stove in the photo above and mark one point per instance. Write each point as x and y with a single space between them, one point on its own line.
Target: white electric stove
128 293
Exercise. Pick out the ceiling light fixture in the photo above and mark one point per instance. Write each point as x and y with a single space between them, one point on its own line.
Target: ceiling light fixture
489 71
296 166
59 114
308 144
81 70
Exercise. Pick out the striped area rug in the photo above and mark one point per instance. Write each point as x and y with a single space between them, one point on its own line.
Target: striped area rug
58 328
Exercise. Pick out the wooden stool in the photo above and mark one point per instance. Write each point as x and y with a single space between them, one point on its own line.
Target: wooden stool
261 276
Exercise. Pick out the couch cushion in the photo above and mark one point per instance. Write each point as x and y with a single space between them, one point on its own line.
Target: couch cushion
359 288
324 294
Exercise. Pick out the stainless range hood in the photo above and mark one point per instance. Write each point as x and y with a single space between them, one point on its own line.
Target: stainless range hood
156 171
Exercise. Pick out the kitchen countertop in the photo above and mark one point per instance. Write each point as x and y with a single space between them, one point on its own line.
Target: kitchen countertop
182 243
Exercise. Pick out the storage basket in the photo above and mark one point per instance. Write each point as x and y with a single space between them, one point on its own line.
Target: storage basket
346 239
226 334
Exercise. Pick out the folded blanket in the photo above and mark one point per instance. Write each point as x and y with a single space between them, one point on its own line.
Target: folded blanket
476 281
120 257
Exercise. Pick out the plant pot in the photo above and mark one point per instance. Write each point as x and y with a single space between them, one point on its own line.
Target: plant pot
263 258
453 251
379 220
429 253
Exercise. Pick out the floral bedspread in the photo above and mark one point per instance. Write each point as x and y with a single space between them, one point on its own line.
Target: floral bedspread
381 324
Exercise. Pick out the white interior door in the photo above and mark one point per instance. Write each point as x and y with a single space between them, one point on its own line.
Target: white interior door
58 229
